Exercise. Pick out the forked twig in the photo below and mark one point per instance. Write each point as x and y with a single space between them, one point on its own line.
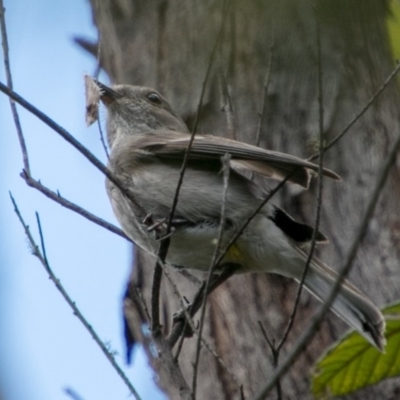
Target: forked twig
275 358
261 113
189 321
226 169
41 255
320 186
319 316
72 206
361 112
10 85
164 245
75 143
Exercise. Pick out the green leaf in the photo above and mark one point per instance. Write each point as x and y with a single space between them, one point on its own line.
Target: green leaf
393 26
353 363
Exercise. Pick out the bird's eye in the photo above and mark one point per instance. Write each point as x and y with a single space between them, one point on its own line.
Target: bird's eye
154 98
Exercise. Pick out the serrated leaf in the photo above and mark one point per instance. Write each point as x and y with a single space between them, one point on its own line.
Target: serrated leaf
353 363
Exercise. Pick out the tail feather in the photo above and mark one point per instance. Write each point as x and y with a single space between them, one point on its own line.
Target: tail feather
350 304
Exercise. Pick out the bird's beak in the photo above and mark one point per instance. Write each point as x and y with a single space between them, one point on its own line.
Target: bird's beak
107 95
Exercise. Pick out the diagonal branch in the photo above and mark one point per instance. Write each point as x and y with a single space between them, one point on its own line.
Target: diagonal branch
363 110
75 143
71 206
261 113
41 255
10 85
213 266
164 245
320 185
319 316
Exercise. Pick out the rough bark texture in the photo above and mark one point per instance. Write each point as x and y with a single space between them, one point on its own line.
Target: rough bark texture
167 45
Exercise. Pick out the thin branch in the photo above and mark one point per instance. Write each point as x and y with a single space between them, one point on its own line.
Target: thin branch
226 169
103 142
72 393
319 316
361 112
181 340
227 271
82 149
72 206
339 136
189 320
198 114
98 55
239 232
275 358
41 255
10 85
227 107
164 245
320 184
261 113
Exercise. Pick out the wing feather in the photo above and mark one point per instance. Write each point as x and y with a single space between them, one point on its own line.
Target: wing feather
268 163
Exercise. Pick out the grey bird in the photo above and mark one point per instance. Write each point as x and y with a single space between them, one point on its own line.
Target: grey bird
148 141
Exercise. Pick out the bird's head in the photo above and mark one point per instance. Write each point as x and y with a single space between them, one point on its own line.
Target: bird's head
137 109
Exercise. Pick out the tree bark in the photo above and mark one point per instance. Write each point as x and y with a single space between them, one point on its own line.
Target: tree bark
167 44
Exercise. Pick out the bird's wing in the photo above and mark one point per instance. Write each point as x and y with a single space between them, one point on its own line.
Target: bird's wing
268 163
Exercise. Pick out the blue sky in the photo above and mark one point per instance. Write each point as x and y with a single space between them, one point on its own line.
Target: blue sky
44 348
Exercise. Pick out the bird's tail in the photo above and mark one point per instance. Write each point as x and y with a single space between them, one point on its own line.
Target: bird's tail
350 304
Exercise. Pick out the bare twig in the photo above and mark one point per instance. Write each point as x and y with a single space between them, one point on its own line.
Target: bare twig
41 255
261 113
361 112
189 321
320 185
72 393
198 113
227 107
10 85
226 169
239 232
275 358
72 206
181 340
96 75
98 55
82 149
103 142
26 174
339 136
164 245
319 316
227 271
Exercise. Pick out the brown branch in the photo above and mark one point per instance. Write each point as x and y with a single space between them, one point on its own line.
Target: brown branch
275 358
10 85
320 185
70 139
261 113
227 107
360 113
189 321
226 169
227 272
103 142
319 316
71 206
164 245
41 255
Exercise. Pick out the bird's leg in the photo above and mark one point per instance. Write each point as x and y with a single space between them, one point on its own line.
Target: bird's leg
160 225
179 319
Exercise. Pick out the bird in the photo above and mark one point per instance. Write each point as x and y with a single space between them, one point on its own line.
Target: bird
148 141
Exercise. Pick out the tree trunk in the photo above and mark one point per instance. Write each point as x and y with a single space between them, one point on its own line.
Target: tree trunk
167 44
